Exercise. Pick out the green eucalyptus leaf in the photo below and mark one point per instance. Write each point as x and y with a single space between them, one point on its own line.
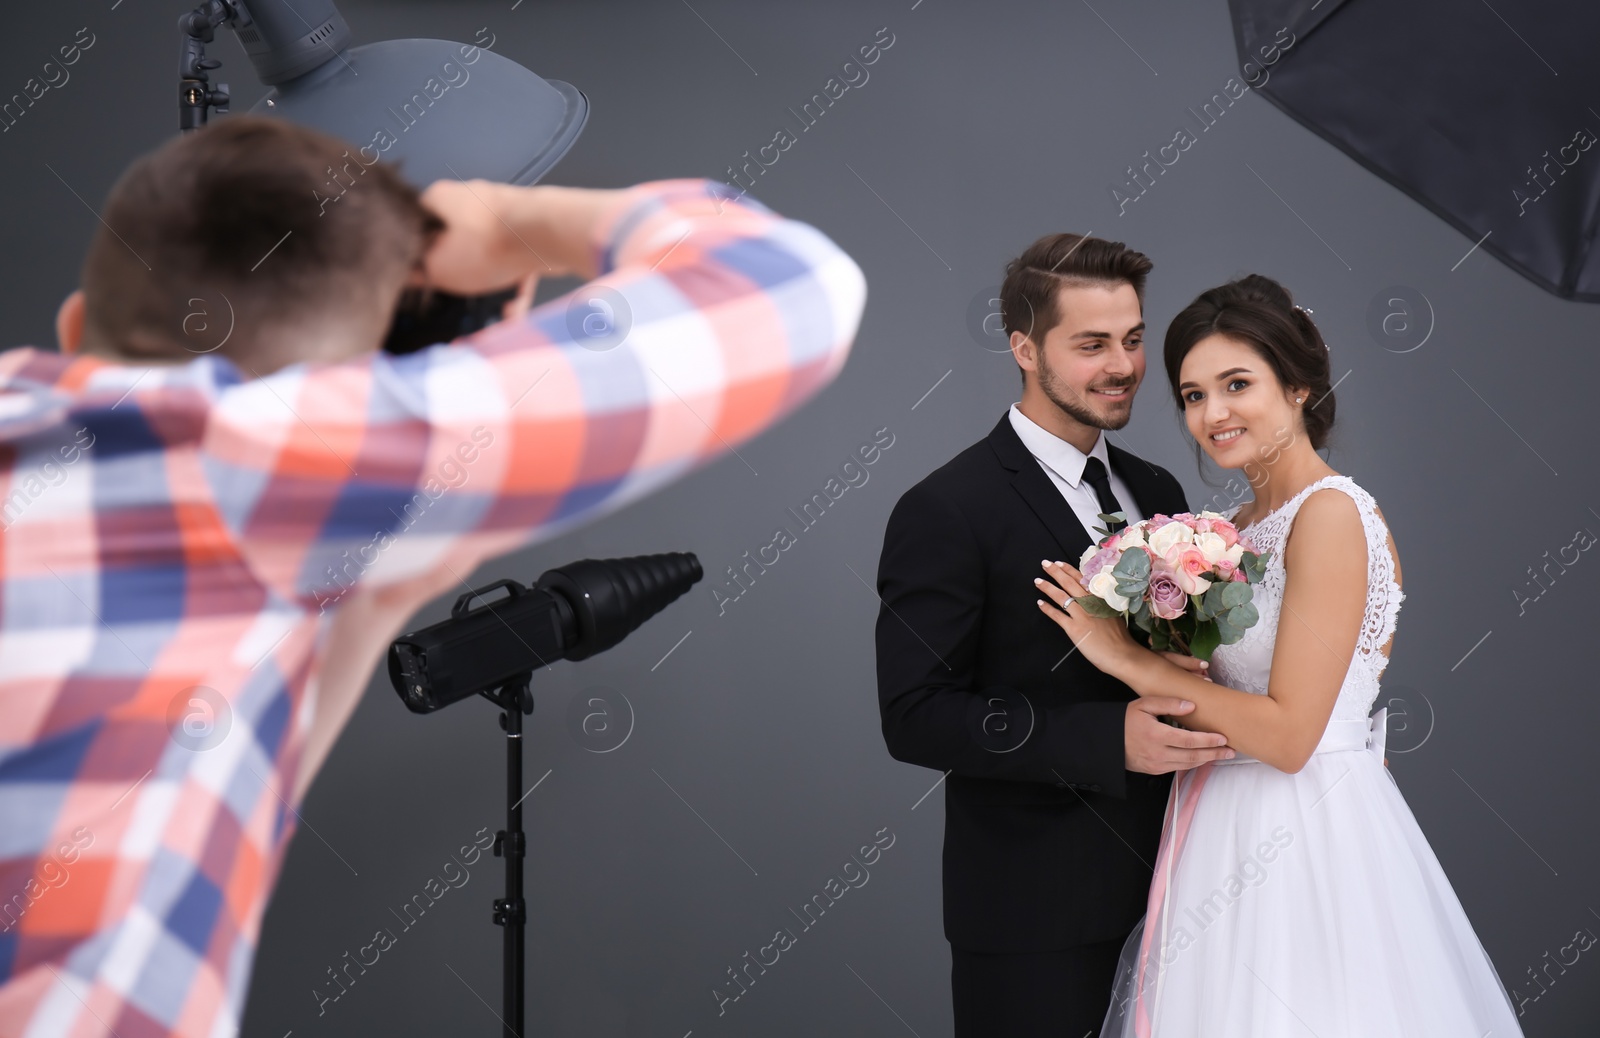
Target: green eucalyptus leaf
1094 605
1204 641
1135 562
1133 573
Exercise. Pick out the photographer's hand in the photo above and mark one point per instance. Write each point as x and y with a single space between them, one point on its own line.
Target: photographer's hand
497 235
522 302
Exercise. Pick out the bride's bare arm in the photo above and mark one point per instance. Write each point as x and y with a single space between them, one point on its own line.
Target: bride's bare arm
1324 599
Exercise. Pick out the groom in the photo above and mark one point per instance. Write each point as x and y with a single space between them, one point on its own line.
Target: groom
1057 773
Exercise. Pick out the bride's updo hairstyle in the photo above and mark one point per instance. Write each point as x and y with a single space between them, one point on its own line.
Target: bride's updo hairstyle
1259 312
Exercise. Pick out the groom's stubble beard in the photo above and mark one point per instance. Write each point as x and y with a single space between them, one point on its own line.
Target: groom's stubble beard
1077 405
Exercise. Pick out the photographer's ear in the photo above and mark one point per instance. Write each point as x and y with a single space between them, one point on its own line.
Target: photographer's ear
69 323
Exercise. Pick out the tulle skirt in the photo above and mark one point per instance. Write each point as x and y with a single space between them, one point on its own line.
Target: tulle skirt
1302 904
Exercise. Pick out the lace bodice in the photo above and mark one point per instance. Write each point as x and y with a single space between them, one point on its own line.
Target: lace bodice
1247 663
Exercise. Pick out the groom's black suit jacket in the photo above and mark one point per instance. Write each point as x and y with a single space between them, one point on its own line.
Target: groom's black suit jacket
1049 841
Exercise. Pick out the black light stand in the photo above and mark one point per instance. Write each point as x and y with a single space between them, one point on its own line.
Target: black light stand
514 699
571 613
196 96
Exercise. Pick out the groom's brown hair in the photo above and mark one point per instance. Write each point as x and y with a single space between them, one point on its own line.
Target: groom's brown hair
1029 294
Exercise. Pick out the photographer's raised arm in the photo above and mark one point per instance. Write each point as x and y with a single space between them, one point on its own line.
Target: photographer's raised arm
932 585
709 319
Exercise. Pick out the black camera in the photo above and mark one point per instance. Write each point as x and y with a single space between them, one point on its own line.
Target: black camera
424 317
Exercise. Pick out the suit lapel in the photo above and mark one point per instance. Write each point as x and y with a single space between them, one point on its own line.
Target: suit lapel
1029 480
1141 478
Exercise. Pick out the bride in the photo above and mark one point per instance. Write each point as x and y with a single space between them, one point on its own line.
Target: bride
1294 892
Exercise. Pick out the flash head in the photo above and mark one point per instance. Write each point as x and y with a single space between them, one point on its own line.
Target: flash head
570 613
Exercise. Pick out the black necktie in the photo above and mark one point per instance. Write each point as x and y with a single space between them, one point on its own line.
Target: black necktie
1096 474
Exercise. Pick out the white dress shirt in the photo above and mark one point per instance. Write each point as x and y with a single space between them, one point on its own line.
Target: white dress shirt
1063 463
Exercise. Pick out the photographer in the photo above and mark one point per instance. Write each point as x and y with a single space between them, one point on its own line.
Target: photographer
258 497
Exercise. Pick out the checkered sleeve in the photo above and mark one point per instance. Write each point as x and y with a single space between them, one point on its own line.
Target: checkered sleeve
712 318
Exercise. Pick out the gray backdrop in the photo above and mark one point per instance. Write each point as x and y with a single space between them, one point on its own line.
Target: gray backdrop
753 766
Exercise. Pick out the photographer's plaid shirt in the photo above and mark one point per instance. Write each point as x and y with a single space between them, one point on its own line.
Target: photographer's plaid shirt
167 528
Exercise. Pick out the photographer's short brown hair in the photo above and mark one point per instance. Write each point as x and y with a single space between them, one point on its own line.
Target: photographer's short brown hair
251 228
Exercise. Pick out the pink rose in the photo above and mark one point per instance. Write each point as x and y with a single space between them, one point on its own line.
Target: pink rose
1238 574
1221 527
1191 571
1156 522
1167 598
1225 569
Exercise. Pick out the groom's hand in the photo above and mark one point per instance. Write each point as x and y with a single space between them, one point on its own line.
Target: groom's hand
1155 748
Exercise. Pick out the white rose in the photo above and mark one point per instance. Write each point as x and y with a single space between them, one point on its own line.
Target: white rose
1212 546
1169 536
1235 553
1104 585
1131 537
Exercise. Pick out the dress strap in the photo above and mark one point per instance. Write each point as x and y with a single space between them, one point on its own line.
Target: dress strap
1383 591
1311 488
1287 509
1291 508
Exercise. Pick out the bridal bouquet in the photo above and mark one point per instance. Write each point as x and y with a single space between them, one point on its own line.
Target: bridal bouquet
1185 579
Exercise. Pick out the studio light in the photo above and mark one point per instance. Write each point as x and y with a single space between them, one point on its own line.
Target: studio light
448 110
437 110
570 613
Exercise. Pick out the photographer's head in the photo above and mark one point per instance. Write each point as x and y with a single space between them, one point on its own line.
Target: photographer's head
253 238
1073 307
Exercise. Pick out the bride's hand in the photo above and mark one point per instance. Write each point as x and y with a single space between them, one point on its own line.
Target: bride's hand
1104 641
1189 663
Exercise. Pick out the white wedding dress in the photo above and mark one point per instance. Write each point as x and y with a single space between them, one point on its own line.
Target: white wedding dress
1305 904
